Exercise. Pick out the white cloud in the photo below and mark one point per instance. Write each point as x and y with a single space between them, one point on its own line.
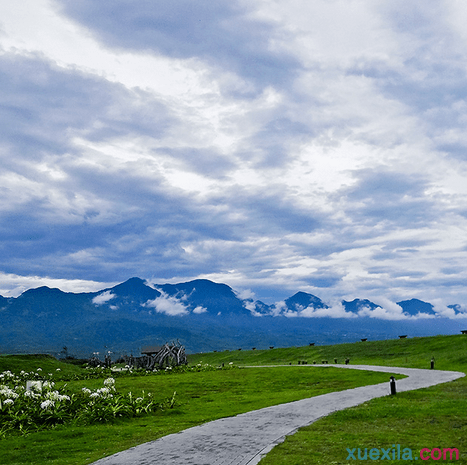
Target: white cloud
169 305
279 308
337 310
250 305
200 309
37 27
245 294
290 314
12 285
444 312
387 310
103 298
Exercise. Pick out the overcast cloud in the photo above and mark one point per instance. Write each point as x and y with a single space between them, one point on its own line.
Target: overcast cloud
272 146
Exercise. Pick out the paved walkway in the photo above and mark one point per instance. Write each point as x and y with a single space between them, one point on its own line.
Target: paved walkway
245 438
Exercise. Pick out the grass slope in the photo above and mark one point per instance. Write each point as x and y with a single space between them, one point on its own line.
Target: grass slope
47 363
450 353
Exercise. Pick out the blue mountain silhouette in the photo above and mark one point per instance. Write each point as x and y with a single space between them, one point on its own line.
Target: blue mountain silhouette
131 314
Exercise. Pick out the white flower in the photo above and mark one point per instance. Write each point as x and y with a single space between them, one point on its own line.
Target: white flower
109 382
95 394
56 396
7 392
103 391
8 402
86 390
58 369
39 369
47 404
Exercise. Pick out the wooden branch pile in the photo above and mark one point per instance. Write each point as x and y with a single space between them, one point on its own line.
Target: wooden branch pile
169 355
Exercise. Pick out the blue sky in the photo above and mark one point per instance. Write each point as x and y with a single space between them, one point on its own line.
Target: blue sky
272 146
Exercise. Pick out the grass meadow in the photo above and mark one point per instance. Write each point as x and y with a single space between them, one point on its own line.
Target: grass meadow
433 417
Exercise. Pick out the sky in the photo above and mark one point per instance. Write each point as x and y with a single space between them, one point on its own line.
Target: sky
272 146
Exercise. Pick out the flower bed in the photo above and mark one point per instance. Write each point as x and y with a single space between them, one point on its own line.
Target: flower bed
30 401
44 406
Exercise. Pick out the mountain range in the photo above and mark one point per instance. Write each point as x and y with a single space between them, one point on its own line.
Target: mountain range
204 316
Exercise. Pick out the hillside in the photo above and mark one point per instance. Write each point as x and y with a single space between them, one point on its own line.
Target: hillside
449 353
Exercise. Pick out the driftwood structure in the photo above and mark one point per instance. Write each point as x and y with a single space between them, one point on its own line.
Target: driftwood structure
159 357
95 362
168 355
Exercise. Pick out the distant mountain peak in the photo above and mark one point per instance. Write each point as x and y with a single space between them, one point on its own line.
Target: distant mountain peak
415 306
42 291
304 300
134 289
202 287
358 304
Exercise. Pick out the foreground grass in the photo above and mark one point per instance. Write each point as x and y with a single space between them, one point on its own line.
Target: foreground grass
427 418
201 397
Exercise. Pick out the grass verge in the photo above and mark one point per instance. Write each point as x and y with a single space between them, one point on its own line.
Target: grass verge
432 418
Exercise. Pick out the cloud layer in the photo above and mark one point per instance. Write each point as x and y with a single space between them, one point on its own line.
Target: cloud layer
316 146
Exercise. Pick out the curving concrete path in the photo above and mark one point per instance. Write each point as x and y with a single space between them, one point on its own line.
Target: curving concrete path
245 438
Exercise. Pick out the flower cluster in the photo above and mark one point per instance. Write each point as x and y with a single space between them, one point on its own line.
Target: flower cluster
8 394
32 405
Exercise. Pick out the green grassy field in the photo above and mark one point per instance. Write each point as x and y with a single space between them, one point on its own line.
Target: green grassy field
201 397
433 417
450 353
